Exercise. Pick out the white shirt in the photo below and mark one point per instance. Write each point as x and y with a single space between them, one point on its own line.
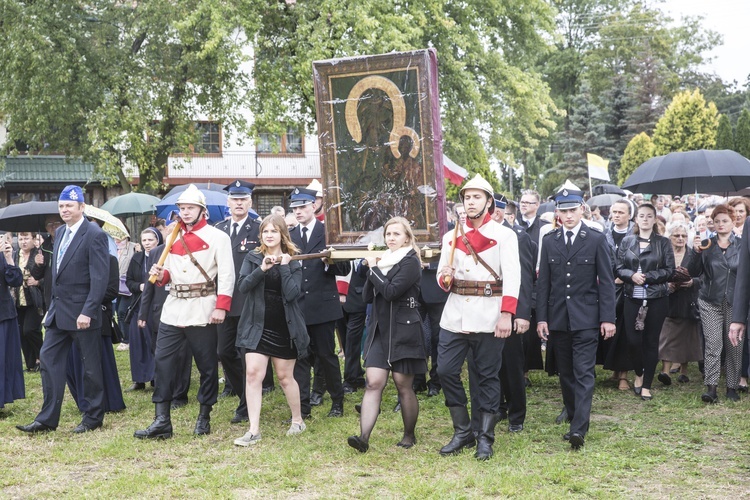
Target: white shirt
575 233
310 226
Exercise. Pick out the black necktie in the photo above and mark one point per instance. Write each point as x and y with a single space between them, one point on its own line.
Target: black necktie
304 237
569 243
234 230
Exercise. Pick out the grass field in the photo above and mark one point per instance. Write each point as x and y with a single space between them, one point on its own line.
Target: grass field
674 446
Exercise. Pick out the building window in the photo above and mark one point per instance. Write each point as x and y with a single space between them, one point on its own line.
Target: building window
208 140
265 201
289 143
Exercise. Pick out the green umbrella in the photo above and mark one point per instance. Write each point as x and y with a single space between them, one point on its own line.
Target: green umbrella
131 204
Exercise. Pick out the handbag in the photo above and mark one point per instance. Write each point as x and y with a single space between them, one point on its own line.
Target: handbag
116 336
35 297
640 319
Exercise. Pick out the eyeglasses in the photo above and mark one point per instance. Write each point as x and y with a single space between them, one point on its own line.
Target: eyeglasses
529 202
679 236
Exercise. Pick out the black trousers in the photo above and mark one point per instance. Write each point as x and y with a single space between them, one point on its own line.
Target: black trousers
512 386
231 361
54 358
354 328
30 328
643 346
575 353
486 351
184 364
434 312
323 347
170 358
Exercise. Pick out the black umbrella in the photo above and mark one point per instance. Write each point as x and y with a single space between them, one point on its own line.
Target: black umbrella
607 189
203 186
28 216
702 171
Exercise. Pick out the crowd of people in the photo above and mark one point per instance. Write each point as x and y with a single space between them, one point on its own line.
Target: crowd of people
624 286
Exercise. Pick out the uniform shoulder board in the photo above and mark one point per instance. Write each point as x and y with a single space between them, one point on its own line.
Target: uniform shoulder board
557 231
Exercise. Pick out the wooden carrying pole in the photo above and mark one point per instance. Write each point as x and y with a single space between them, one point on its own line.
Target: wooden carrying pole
448 279
170 241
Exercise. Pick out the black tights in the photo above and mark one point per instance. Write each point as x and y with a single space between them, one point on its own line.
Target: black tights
376 379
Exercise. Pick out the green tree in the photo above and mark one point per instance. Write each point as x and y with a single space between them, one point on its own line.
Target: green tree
585 134
689 123
742 134
485 51
119 83
639 149
724 134
616 102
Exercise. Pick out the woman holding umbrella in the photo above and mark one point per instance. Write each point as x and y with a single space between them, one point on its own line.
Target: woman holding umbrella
645 262
29 302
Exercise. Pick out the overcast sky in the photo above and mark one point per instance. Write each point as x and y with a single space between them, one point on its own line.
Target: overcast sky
730 18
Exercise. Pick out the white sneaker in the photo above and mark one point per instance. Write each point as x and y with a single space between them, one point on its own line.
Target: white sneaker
248 439
123 347
296 429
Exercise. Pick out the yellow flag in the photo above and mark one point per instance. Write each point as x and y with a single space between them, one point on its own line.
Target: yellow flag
598 167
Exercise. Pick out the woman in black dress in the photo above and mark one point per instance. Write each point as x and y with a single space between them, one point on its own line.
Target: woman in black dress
395 341
272 325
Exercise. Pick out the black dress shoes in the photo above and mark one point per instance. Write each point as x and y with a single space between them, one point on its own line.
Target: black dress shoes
349 389
433 391
83 427
732 395
562 417
576 441
664 378
566 436
137 386
515 427
35 427
358 444
238 418
316 399
337 410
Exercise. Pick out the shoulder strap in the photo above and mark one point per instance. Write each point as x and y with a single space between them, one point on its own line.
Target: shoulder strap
476 257
193 260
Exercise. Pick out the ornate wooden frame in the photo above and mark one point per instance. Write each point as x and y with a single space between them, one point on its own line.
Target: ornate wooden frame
399 156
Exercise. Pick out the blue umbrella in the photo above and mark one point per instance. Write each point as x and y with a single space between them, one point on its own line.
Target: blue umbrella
216 203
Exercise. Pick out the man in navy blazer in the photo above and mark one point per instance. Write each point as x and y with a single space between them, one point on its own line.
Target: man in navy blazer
320 303
80 258
575 302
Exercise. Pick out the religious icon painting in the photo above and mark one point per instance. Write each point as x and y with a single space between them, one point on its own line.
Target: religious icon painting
381 145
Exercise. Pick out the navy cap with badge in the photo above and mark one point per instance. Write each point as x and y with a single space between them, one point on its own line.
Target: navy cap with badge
72 193
240 189
565 199
500 200
301 197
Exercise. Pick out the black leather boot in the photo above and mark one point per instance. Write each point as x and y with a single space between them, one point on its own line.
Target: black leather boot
161 427
462 435
203 424
710 395
486 437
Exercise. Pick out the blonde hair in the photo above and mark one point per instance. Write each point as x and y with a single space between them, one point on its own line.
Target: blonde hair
279 223
409 233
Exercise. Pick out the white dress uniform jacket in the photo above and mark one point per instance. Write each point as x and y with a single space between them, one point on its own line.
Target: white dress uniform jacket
498 247
212 248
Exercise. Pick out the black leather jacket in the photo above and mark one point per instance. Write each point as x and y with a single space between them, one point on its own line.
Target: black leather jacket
656 261
718 270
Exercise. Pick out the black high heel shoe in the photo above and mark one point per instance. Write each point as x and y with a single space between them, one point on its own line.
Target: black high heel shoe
358 444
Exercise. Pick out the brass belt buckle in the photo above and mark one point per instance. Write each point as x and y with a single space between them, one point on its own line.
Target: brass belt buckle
488 290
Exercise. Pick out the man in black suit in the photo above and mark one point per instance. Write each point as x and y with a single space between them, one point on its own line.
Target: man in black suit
320 303
243 231
352 325
531 222
575 302
80 259
741 304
